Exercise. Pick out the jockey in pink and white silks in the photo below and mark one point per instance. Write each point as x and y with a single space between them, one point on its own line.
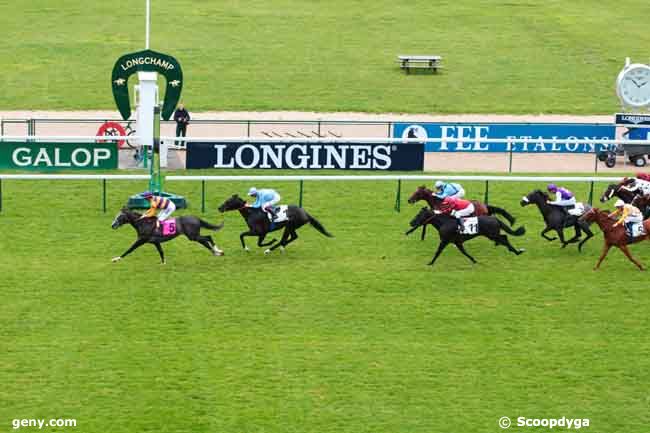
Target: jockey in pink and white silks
265 199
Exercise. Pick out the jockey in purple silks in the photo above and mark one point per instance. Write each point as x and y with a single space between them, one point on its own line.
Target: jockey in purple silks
563 197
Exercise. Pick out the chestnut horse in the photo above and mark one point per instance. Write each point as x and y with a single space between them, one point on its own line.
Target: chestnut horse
615 236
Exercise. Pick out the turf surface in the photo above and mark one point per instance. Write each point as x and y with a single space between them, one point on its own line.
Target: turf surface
500 57
351 334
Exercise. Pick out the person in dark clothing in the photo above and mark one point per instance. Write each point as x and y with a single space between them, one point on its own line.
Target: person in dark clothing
182 119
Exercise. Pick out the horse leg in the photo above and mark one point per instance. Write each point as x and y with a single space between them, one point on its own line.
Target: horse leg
263 244
292 237
546 230
160 252
136 244
215 249
627 253
282 242
424 232
606 248
441 246
589 234
560 233
459 245
576 237
241 238
503 240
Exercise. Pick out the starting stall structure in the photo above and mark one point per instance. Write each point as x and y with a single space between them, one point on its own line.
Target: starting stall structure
148 64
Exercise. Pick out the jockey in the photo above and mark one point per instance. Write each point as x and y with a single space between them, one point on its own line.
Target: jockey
443 190
630 214
457 207
563 197
165 205
265 199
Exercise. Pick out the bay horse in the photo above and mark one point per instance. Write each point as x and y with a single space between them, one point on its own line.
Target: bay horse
190 226
447 226
480 209
556 219
615 236
259 224
615 189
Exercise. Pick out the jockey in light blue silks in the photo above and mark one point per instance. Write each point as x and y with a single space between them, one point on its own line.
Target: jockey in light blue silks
265 199
444 190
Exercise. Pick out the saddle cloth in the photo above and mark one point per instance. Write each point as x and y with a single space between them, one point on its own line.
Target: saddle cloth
577 210
168 227
469 226
634 230
280 214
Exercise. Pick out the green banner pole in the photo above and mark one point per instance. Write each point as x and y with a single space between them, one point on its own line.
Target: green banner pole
591 193
104 195
486 192
203 196
300 194
397 196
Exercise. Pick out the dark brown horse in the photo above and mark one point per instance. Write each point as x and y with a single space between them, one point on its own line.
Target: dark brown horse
190 226
481 209
615 236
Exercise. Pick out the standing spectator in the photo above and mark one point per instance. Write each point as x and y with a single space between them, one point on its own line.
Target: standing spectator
182 119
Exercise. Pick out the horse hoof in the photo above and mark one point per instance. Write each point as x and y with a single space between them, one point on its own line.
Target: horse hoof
522 250
163 263
247 249
116 259
218 253
267 252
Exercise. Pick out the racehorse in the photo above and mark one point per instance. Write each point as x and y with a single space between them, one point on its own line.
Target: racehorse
614 189
423 193
615 236
259 224
635 198
556 219
190 226
447 226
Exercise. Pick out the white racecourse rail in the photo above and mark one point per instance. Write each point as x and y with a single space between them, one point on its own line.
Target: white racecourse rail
103 177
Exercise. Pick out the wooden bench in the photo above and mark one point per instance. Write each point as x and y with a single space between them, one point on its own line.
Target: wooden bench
409 62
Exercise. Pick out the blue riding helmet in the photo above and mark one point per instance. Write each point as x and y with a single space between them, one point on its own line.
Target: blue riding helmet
252 192
147 194
552 187
439 184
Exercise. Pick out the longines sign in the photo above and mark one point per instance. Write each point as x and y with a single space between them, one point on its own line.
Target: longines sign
352 156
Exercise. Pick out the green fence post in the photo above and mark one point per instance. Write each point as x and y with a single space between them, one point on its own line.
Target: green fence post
300 194
591 193
203 196
399 193
485 198
104 195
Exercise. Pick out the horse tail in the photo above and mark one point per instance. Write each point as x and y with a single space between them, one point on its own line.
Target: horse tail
518 232
318 226
207 225
493 210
